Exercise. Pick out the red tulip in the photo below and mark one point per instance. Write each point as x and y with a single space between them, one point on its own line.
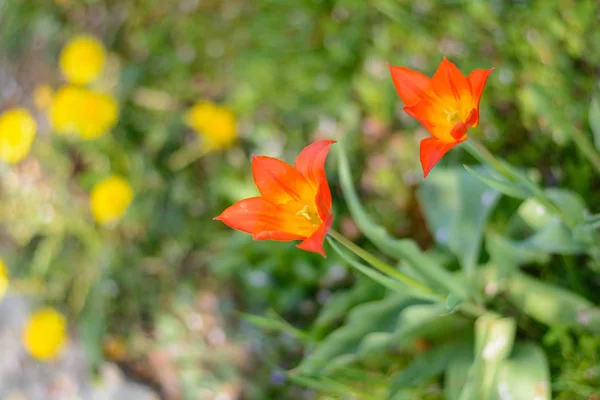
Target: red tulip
447 105
295 202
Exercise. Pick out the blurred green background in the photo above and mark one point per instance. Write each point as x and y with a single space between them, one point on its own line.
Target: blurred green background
161 292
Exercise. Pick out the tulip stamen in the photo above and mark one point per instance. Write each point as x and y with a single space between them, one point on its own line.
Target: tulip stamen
452 116
310 215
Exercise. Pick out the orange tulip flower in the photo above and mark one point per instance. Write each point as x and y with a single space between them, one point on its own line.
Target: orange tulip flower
295 202
447 105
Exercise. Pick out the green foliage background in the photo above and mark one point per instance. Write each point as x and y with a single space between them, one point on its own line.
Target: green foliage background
293 72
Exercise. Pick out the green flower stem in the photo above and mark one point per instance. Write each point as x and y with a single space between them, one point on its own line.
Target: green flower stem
481 153
377 263
586 146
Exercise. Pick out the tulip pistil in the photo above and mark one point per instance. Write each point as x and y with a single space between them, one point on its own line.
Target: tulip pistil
310 215
452 116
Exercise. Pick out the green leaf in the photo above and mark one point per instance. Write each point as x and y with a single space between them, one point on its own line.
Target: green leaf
476 203
501 184
374 327
457 206
594 120
92 325
274 323
555 238
471 376
569 203
438 197
330 386
508 255
537 216
525 375
427 365
534 214
547 303
494 338
341 302
457 374
401 249
452 301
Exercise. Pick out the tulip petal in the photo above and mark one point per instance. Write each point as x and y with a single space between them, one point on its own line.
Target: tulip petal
431 117
315 242
477 80
432 150
449 83
410 84
311 161
257 216
460 129
277 236
323 200
279 182
311 164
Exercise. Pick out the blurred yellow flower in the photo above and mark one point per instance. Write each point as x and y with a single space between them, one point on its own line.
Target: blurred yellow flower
45 334
84 112
3 279
82 59
17 131
109 199
63 114
42 96
215 124
99 114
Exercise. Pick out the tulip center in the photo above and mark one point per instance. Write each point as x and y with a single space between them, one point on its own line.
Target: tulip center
452 117
310 214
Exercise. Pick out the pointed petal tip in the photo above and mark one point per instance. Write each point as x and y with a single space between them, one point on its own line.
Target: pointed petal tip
314 243
325 141
426 169
431 151
311 249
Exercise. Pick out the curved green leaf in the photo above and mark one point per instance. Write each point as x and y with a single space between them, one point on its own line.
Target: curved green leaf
457 206
547 303
525 375
427 365
374 327
401 249
508 255
501 184
594 120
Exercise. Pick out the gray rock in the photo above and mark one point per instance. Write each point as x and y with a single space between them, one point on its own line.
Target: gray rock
67 378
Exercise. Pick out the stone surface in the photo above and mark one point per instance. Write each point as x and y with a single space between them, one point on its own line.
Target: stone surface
68 378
